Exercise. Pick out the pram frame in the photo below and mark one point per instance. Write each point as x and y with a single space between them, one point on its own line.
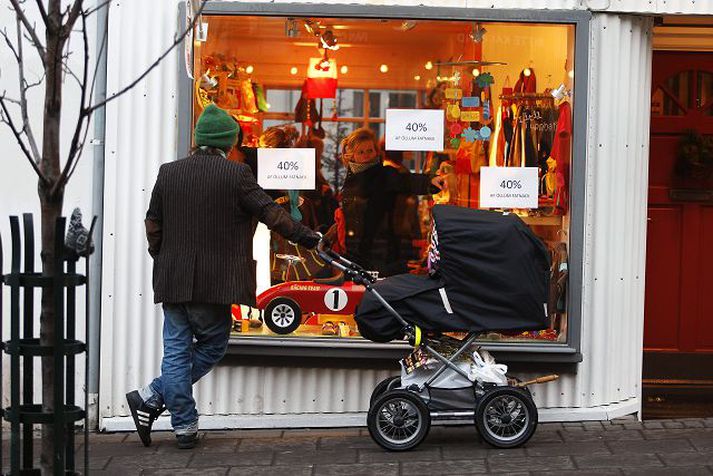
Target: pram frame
361 276
486 396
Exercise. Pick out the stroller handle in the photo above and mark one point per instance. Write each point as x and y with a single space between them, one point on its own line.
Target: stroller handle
361 276
350 269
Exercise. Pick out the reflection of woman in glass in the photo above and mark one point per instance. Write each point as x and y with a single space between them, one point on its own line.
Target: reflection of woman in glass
368 199
322 197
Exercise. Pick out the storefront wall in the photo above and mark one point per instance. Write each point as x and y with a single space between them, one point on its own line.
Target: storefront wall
142 134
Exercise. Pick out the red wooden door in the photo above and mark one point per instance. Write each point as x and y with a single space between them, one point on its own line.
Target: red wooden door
678 324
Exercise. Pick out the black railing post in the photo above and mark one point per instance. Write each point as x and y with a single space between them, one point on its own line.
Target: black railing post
27 333
58 351
14 340
23 347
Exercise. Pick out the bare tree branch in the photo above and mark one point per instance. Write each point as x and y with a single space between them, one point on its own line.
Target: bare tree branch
175 43
6 118
30 29
67 70
76 145
3 32
39 82
24 87
72 15
10 100
43 11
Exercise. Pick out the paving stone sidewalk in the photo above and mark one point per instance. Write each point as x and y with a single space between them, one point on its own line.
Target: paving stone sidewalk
619 447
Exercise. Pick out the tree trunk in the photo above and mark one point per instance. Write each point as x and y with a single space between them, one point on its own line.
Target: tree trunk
51 209
51 206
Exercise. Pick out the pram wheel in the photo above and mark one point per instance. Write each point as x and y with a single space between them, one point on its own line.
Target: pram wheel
283 315
381 387
398 420
506 417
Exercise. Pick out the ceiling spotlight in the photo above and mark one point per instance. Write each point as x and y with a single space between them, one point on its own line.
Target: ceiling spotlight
417 77
571 74
249 69
527 72
477 33
384 68
292 30
406 25
293 70
202 32
428 65
344 69
476 72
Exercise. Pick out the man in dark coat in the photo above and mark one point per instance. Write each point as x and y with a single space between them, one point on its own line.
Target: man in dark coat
199 227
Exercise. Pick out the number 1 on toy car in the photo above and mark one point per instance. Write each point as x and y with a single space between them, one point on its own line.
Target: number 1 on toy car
336 299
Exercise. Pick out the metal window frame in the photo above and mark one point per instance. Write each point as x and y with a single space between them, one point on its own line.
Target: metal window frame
569 352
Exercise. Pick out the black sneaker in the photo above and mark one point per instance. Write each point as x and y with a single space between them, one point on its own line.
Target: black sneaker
143 416
187 441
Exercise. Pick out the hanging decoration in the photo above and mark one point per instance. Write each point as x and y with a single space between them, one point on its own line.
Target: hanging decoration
321 78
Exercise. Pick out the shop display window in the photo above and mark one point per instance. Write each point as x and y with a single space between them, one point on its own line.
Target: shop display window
506 90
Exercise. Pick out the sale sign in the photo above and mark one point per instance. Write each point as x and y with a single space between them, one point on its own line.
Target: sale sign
414 129
286 169
509 187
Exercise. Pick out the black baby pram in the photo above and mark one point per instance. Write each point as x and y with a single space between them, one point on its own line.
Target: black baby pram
487 272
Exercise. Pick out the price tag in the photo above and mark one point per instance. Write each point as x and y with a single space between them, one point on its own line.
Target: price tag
470 116
509 187
454 93
414 129
286 169
470 101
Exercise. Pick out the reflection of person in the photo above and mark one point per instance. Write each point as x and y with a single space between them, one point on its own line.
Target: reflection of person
199 230
368 197
403 226
322 197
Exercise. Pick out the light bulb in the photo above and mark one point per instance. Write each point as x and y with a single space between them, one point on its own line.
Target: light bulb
384 68
571 73
428 65
527 72
417 77
476 72
249 69
344 69
293 70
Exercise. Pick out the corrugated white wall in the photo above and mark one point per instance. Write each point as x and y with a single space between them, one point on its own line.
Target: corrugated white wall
142 133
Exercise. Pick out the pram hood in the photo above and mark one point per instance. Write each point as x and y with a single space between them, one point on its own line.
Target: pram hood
493 274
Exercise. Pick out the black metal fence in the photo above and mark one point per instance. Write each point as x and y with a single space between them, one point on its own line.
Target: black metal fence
23 348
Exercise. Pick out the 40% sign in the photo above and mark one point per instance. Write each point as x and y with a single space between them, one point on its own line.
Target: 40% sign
416 127
288 165
511 184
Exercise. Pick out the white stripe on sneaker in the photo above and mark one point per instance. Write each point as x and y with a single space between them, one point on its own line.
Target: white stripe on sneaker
145 414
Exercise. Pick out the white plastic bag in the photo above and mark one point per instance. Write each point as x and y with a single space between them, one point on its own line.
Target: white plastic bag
448 379
484 369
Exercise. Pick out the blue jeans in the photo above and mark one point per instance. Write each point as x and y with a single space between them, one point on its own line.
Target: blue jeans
185 361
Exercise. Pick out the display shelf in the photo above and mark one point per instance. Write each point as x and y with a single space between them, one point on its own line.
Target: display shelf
543 221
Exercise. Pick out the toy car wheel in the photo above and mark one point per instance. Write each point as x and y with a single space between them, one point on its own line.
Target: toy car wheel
506 417
388 383
398 420
282 315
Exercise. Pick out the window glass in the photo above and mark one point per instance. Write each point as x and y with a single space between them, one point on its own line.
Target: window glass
505 90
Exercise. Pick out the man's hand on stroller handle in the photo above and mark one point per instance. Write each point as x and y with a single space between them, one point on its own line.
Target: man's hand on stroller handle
350 269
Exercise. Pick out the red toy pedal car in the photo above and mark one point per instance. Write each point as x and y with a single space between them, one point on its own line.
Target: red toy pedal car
284 306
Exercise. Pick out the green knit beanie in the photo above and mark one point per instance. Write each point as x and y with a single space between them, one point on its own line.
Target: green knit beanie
215 128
